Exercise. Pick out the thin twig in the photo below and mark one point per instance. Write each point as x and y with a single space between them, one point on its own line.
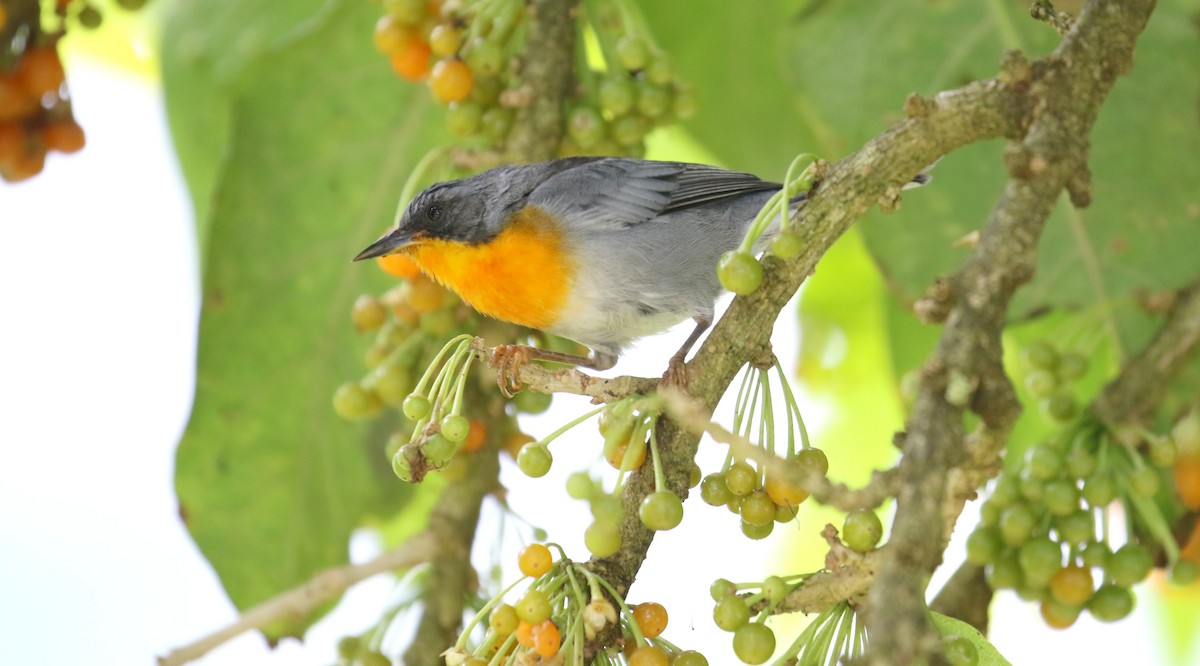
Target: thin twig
302 601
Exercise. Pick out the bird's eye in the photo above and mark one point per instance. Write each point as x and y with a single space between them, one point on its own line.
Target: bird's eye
434 212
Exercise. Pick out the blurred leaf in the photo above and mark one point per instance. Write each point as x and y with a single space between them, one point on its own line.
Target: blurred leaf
747 113
1140 232
320 135
988 654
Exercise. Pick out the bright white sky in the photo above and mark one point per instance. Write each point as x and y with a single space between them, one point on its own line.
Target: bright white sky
99 289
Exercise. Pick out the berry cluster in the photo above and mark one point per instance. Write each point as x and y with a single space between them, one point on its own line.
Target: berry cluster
1058 502
762 494
1050 373
35 108
565 606
469 52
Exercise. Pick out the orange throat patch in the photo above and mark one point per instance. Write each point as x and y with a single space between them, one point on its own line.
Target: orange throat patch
521 276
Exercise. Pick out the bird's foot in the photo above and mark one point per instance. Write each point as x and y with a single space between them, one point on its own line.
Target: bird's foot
508 360
677 374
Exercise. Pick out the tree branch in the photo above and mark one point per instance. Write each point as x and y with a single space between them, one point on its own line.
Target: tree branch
1067 89
302 601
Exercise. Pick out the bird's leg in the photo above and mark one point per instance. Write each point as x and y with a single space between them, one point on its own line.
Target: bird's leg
676 373
508 359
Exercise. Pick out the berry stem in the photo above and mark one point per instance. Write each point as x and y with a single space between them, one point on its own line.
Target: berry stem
423 384
660 481
625 612
503 652
571 424
461 644
793 407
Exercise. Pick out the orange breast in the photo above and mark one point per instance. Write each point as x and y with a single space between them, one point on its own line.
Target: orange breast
522 276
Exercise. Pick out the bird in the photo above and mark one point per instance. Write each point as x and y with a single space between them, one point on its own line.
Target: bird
599 250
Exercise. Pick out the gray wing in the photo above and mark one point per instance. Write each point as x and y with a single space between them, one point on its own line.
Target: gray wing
613 193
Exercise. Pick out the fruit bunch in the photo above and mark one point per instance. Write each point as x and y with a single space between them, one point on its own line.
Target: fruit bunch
1045 530
1050 372
565 606
35 107
763 494
469 54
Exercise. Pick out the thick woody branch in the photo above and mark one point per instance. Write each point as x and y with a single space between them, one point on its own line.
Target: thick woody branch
1068 88
546 77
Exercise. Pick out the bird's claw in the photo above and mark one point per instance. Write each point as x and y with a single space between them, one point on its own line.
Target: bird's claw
508 359
676 374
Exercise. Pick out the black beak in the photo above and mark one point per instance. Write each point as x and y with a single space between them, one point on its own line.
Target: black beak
392 242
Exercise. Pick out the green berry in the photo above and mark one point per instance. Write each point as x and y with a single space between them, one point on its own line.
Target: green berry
438 450
1111 603
757 532
1040 559
617 95
652 100
984 545
1072 366
416 407
391 382
602 538
684 104
1076 527
960 651
774 589
1081 463
1184 572
689 658
1006 491
401 466
741 478
814 459
90 17
739 272
373 658
662 510
1044 462
585 126
1040 354
721 588
580 485
464 119
1032 487
534 607
658 70
1072 585
787 244
1017 523
713 490
632 52
1186 433
532 402
757 509
497 121
862 530
484 56
1004 573
368 313
504 620
437 323
731 613
1041 383
629 131
1129 565
1061 497
455 427
534 460
348 647
989 513
754 643
1099 490
1060 407
1163 452
1095 555
353 402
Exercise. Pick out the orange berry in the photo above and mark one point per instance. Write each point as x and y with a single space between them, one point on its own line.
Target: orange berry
64 136
782 489
476 436
651 618
398 265
3 17
535 560
515 441
546 639
26 166
451 80
12 142
412 61
15 102
40 71
615 454
392 36
524 633
648 655
1187 480
1058 615
1072 585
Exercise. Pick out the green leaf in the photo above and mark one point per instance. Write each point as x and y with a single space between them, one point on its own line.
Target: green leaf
747 114
948 626
1139 233
320 136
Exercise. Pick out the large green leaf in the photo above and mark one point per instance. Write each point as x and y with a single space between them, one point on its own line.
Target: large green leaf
320 136
733 55
1140 233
